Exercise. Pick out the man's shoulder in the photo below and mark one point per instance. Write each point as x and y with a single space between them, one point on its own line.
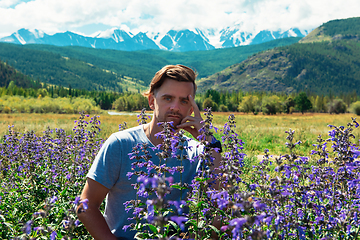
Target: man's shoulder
130 134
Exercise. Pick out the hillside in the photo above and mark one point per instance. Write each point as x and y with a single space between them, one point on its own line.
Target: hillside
9 74
326 61
53 68
102 69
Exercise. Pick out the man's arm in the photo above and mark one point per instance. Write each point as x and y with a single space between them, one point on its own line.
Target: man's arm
92 218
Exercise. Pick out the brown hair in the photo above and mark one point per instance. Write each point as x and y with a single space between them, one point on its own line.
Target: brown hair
176 72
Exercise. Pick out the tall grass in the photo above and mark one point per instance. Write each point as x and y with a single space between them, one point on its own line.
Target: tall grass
259 132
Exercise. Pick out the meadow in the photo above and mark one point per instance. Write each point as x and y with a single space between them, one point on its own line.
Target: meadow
309 192
259 132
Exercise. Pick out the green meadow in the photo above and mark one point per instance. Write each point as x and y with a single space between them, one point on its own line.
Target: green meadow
258 132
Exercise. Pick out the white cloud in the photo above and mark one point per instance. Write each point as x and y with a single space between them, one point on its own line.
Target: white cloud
158 15
8 3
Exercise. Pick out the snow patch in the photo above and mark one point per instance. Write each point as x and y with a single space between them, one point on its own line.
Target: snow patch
37 33
20 38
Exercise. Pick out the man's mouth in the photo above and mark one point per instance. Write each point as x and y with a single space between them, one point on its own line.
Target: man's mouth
172 115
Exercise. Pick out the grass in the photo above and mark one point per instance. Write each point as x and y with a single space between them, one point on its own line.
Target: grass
258 132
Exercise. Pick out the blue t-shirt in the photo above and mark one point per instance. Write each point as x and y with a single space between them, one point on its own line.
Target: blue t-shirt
111 165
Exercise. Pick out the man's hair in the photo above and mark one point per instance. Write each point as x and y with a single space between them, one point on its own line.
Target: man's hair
175 72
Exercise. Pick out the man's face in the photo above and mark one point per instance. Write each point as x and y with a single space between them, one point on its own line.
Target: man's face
171 101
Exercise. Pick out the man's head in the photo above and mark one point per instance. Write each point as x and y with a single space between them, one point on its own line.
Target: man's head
175 72
169 94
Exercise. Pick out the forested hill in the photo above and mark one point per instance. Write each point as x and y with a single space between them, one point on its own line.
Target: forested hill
101 69
326 61
9 74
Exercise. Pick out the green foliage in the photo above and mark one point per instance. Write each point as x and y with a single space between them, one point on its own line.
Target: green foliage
319 104
130 102
55 69
9 75
19 104
209 103
249 103
355 107
344 27
337 106
271 105
323 66
289 104
302 102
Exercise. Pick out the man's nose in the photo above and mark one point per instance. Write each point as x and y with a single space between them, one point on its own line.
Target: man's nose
175 106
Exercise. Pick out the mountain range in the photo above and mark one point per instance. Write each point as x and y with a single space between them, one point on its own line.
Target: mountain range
173 40
326 61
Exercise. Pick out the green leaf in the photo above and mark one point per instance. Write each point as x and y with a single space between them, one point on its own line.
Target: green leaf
175 226
152 228
178 187
64 191
201 224
214 228
200 204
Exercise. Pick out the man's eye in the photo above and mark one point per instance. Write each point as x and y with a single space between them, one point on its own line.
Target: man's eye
185 101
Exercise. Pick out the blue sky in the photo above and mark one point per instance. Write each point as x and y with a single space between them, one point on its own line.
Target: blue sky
90 16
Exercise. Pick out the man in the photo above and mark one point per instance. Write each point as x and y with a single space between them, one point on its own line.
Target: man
171 98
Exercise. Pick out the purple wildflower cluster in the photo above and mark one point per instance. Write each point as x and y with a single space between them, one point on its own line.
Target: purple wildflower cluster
282 197
318 200
41 178
285 197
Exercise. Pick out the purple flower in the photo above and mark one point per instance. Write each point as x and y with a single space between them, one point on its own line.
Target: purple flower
258 205
125 227
222 199
53 199
77 222
27 227
77 199
224 228
179 221
53 235
237 223
85 203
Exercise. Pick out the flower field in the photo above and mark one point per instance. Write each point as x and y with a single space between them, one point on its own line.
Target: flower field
304 186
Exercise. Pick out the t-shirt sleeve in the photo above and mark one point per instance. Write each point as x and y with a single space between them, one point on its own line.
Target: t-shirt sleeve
107 164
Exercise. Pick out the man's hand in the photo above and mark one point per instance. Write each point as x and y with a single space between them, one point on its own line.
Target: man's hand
192 124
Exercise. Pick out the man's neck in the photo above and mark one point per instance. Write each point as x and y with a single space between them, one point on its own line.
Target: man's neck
150 130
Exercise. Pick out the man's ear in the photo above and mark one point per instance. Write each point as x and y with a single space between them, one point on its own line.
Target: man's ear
151 100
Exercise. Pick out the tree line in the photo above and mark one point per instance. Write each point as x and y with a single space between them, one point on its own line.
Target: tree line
235 101
273 103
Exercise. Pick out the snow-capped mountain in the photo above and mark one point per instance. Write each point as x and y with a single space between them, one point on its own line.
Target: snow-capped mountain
173 40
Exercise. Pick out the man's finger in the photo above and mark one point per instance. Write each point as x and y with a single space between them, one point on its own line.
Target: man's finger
195 107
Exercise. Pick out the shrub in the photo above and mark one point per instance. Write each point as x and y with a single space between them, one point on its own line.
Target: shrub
271 105
47 105
249 103
209 103
223 108
337 106
355 107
